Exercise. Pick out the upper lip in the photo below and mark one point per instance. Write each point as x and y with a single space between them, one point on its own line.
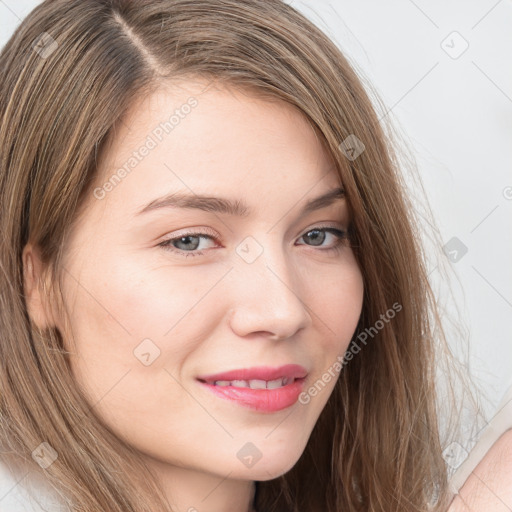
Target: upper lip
267 373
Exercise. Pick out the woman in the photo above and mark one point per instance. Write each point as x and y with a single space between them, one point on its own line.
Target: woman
214 297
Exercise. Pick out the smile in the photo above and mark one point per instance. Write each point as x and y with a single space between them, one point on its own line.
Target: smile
255 383
264 389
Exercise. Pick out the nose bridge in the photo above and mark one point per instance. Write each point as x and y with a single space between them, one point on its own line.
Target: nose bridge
269 293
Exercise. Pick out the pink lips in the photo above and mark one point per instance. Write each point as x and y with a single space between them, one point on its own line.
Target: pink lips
264 400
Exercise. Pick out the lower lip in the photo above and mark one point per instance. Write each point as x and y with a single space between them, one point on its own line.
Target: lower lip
264 400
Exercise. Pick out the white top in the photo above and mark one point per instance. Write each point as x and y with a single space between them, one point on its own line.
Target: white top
497 426
24 490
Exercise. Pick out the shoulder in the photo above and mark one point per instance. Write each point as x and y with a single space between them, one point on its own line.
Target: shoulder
489 486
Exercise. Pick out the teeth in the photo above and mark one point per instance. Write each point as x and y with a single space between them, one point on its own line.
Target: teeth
273 384
255 383
240 383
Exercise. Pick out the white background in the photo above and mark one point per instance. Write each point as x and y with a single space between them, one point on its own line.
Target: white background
456 113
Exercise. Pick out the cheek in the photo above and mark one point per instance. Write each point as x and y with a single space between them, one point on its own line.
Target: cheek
135 313
336 311
131 299
336 305
127 331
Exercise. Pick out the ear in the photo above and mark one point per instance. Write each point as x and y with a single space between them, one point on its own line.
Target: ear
34 289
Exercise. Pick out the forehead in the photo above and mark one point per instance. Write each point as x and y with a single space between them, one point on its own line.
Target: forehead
211 138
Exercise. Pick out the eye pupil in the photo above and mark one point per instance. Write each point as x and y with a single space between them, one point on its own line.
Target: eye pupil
316 238
184 239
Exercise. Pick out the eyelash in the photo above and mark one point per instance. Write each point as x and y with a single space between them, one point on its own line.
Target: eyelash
166 244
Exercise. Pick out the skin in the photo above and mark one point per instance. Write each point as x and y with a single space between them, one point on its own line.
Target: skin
296 303
489 487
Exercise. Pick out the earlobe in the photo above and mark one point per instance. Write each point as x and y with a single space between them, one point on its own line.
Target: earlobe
35 296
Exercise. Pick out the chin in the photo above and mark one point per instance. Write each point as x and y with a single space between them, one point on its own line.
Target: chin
270 466
266 474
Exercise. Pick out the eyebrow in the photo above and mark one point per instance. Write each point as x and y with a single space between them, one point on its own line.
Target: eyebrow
231 207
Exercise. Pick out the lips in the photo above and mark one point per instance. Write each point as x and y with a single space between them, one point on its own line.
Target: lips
289 372
263 388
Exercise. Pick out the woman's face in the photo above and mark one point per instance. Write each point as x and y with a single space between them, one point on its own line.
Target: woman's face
254 293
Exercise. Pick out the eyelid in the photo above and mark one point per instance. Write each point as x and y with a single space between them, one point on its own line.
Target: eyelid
207 231
194 231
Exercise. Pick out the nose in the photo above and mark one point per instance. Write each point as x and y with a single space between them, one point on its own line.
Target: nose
267 298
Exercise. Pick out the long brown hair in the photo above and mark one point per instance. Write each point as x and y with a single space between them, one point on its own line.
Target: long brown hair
69 72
